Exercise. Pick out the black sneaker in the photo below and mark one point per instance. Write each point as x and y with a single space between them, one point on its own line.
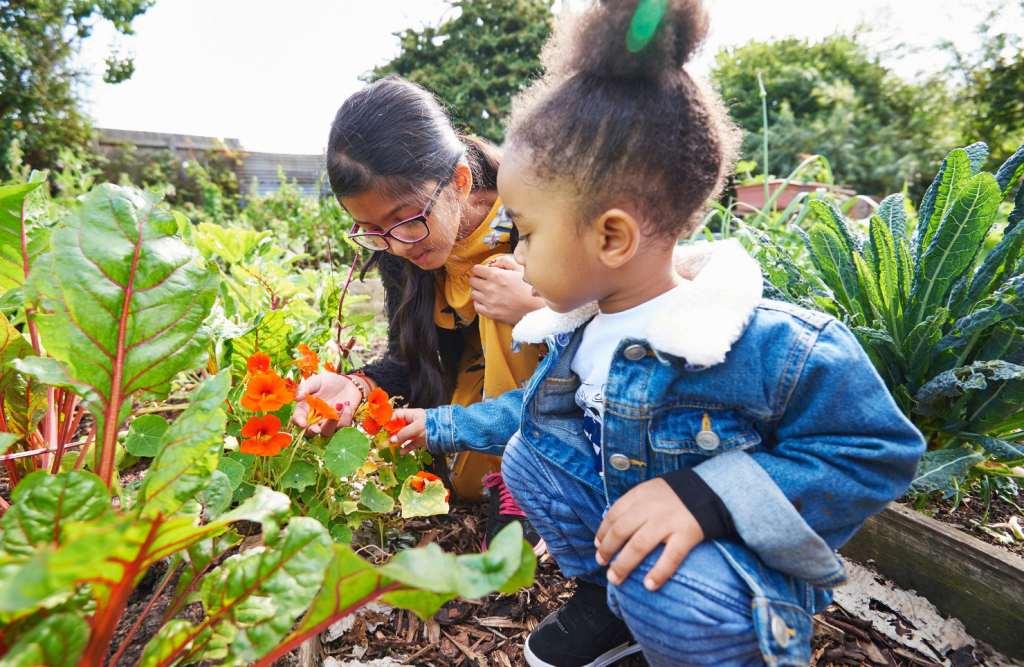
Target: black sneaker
504 511
583 633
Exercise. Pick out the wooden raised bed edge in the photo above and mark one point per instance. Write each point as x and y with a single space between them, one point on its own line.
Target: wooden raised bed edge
977 583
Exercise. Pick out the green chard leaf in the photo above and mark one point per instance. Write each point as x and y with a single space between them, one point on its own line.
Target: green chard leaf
58 641
21 241
42 504
269 335
190 450
376 500
121 305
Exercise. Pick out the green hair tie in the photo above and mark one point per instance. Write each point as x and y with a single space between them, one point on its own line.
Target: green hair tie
645 22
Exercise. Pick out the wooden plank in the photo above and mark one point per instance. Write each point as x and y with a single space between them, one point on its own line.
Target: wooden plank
981 585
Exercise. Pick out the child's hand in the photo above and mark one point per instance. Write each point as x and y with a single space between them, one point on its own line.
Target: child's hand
415 431
649 514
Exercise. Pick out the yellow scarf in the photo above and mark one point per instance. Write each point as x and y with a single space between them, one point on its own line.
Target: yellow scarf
507 365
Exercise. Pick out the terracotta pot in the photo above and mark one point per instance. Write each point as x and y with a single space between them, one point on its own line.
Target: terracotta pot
750 197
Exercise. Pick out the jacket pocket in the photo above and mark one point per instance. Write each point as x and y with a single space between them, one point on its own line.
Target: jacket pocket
701 430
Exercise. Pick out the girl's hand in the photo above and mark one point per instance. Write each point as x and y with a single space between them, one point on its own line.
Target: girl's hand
332 389
414 435
500 293
647 515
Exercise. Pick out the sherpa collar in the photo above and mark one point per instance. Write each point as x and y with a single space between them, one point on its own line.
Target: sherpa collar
715 304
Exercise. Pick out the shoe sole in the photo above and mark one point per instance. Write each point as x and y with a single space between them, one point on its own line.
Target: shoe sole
606 658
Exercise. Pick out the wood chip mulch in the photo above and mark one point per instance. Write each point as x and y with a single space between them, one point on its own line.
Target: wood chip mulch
972 508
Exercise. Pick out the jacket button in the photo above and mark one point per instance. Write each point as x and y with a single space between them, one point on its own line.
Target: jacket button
708 440
635 352
779 631
619 461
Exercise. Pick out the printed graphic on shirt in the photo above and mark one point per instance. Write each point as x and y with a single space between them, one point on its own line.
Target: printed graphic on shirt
590 397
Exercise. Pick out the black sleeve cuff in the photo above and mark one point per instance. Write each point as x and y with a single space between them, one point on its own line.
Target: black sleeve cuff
705 505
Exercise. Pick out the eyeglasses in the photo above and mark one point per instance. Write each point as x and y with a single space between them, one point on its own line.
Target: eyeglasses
411 230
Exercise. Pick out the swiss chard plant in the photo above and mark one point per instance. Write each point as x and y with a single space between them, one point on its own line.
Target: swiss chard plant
942 321
69 561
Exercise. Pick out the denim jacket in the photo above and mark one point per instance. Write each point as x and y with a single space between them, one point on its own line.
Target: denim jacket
806 442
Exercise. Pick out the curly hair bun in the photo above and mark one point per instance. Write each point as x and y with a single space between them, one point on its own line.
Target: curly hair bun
639 39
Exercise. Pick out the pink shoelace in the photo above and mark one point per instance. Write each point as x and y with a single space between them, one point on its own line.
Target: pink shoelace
508 504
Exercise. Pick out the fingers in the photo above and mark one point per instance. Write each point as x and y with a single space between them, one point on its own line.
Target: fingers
676 550
345 414
483 273
641 543
308 386
509 263
300 413
412 446
410 432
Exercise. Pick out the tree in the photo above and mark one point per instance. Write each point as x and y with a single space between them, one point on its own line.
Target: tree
40 103
992 87
476 61
836 99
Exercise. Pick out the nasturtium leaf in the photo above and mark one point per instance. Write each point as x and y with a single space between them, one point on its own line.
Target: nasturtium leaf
299 475
234 470
122 304
386 478
248 461
244 490
261 593
58 641
145 434
376 500
190 450
321 514
939 468
42 504
341 533
405 464
348 506
429 502
269 335
217 495
346 452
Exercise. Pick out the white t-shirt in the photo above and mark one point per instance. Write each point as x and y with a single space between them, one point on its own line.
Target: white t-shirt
593 358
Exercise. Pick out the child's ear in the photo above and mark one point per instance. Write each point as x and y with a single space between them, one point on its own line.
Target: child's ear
620 237
463 181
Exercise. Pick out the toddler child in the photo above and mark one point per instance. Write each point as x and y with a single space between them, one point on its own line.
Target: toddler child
690 452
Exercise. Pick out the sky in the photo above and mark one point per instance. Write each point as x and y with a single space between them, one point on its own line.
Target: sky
273 77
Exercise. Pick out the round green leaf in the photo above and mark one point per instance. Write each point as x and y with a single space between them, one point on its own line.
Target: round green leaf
429 502
341 533
299 475
234 470
376 500
386 478
346 452
145 434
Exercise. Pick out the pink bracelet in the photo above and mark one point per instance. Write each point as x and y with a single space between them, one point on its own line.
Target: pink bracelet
362 392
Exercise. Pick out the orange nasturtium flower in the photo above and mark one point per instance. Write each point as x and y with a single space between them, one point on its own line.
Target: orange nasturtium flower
319 411
262 436
329 367
258 364
266 393
395 425
371 426
378 408
420 479
309 362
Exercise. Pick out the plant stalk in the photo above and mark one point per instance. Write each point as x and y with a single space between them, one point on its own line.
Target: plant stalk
764 125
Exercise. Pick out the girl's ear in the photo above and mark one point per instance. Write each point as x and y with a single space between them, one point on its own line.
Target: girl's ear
620 237
463 181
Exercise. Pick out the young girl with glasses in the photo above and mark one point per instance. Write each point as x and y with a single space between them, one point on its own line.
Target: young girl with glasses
425 203
690 452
